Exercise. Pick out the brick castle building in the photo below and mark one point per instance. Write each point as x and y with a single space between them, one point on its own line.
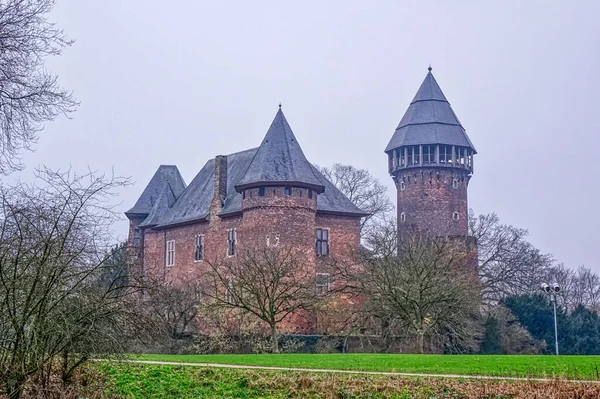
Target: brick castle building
272 195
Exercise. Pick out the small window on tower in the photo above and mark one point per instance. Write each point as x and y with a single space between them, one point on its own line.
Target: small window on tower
403 217
309 193
402 186
322 242
288 191
455 216
261 191
199 252
231 242
137 237
454 183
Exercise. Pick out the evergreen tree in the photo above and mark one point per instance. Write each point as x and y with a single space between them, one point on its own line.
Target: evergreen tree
536 314
492 337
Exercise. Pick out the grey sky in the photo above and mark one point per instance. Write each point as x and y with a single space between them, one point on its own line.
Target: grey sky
180 82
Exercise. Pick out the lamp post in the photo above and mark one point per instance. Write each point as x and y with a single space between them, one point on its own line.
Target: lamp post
552 291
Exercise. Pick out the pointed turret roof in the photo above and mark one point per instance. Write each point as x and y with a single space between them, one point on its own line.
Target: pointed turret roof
163 203
280 160
429 119
165 175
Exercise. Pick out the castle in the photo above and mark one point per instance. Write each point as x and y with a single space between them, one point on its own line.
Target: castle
273 195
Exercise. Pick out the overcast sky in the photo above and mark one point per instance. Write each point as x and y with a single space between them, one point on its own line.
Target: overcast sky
180 82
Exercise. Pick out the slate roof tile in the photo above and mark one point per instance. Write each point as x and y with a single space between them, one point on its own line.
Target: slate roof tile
429 119
280 160
165 174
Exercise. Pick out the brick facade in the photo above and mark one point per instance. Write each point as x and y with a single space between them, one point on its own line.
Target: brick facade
433 200
271 215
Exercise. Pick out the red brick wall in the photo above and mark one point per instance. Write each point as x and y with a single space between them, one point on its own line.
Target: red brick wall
428 199
288 220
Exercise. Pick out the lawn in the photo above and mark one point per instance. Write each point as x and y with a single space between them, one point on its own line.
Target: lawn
142 381
571 367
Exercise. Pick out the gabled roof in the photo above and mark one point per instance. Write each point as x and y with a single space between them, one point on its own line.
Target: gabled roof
280 160
165 175
429 119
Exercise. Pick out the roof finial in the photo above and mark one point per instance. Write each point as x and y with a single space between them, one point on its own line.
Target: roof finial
430 68
280 105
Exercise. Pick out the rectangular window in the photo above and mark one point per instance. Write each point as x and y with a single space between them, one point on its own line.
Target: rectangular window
322 242
309 193
199 252
170 255
288 191
231 242
261 191
323 280
137 237
229 291
446 154
428 154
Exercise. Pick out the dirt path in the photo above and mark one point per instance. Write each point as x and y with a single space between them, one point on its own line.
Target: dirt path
239 366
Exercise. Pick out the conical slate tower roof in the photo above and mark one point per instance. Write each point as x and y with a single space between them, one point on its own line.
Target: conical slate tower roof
163 203
429 120
280 160
165 175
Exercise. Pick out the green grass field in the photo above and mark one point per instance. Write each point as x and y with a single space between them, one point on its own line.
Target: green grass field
142 381
571 367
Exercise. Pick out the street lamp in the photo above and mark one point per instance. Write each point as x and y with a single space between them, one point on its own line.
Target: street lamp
552 291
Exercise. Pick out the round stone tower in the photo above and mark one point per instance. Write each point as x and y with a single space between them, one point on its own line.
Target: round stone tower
430 158
279 192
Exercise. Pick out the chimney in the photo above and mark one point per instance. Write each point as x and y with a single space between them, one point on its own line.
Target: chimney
220 190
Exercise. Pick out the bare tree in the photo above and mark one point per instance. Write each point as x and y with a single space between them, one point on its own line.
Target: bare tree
426 289
174 303
382 238
508 263
271 283
29 95
578 287
364 190
589 284
54 234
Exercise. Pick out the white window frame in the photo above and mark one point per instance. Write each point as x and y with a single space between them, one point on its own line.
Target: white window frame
170 253
402 217
231 242
455 216
402 186
199 240
455 183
